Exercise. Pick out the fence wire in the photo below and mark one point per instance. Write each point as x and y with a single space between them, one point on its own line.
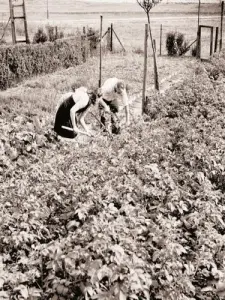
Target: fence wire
129 29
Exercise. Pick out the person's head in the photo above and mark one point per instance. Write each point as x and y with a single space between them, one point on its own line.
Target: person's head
99 92
92 96
120 87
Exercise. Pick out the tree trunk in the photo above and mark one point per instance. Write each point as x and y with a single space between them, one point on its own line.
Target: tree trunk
156 78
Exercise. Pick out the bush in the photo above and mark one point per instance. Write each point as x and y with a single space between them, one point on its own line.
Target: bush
40 36
175 43
53 34
23 61
94 37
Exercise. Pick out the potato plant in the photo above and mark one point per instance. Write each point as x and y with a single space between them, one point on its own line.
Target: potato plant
141 216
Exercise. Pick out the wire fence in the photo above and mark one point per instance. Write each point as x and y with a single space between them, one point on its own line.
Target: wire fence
129 29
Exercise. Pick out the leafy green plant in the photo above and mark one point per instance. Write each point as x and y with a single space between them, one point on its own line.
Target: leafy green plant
93 37
175 43
71 230
53 33
40 36
23 61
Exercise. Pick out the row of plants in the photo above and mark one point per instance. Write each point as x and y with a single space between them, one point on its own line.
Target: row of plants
138 217
52 33
19 62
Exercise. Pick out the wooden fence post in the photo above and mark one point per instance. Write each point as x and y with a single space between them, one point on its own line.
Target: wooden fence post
47 10
154 45
198 54
108 39
86 49
100 65
145 69
111 41
25 23
12 22
211 42
221 25
160 44
216 39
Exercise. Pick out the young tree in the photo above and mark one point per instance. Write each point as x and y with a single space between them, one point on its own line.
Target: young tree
147 5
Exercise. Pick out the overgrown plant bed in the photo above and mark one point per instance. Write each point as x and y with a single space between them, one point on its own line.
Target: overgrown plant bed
139 217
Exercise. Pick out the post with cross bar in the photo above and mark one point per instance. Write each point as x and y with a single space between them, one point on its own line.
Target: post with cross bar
13 18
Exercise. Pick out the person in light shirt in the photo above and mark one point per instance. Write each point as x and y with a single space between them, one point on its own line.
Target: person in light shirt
109 94
71 110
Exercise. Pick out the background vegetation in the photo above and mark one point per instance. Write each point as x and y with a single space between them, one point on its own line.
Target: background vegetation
23 61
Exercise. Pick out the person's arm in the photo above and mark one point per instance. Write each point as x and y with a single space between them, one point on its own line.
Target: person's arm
79 105
105 106
126 106
82 120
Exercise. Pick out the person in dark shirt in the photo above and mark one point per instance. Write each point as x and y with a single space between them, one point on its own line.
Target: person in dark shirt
72 110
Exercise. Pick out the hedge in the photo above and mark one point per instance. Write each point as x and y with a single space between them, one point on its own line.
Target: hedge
19 62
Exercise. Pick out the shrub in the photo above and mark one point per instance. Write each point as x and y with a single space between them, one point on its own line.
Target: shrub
40 36
170 44
22 61
175 43
93 36
53 33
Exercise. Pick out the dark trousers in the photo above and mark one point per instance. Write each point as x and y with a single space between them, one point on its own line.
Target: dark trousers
114 108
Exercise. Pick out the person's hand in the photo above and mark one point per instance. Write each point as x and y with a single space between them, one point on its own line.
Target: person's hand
89 133
107 110
127 124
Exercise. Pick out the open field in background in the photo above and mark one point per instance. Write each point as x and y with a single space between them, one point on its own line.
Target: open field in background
128 19
38 8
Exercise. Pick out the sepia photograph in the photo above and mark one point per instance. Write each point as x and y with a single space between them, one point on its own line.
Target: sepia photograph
112 150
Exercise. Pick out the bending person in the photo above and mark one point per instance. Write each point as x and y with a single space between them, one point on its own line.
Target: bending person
71 111
111 91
